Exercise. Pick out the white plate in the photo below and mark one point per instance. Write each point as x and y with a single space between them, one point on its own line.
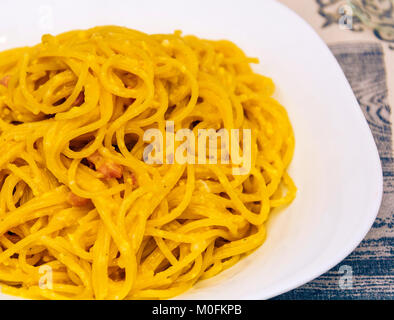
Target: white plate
336 165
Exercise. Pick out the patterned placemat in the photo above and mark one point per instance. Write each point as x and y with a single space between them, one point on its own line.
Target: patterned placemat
368 272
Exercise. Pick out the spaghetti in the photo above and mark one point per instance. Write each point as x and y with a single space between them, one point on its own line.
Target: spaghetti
76 196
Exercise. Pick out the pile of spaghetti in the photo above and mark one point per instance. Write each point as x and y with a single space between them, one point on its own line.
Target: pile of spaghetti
81 209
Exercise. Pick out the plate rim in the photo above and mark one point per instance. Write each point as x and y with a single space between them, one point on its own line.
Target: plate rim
353 243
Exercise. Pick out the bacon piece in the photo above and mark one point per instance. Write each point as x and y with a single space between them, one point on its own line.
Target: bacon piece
5 80
107 167
77 201
111 170
80 99
133 179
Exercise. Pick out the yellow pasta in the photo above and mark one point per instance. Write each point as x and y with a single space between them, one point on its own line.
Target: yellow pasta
82 215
